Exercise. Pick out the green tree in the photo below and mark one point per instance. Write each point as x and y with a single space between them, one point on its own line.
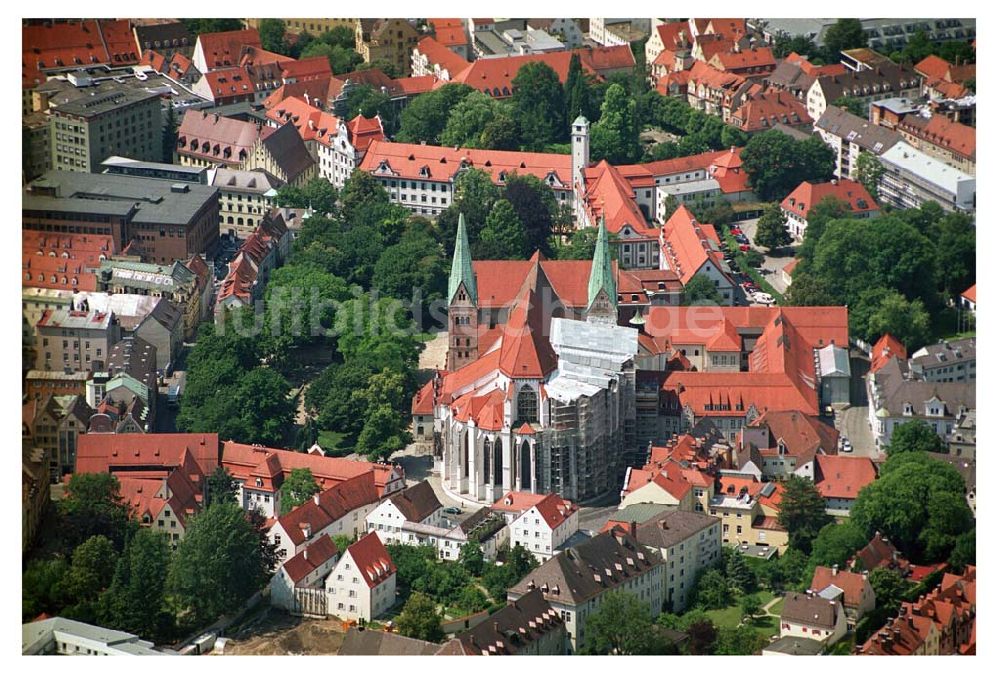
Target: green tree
365 100
221 486
964 552
169 137
615 136
198 26
504 236
786 572
890 588
868 171
536 208
845 34
218 564
136 600
301 303
420 619
776 163
475 195
712 591
272 35
385 428
91 570
539 106
621 625
93 506
577 91
297 488
784 44
702 635
501 132
918 503
471 558
411 563
829 208
471 599
426 117
738 573
750 606
342 59
915 436
416 262
468 120
955 245
331 396
42 585
836 543
802 512
855 106
908 321
744 640
772 230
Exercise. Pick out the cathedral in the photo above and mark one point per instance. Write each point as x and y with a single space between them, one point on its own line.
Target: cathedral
539 391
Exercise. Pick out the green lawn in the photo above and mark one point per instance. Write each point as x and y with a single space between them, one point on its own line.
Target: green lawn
732 617
336 443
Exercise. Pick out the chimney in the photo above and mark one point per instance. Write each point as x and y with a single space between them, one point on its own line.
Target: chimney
835 568
631 528
305 553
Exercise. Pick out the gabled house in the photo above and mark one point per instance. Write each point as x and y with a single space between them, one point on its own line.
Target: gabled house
307 569
813 616
852 589
282 153
529 625
544 526
362 585
852 195
417 505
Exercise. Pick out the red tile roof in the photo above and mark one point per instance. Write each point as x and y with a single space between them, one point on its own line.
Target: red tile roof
525 352
315 555
941 131
494 76
58 273
757 59
555 511
224 49
486 410
54 45
305 69
843 476
414 86
935 69
607 60
884 350
852 584
128 453
610 195
244 461
215 138
372 558
801 434
762 111
970 294
852 194
450 32
670 33
312 91
440 55
687 245
406 160
518 501
329 506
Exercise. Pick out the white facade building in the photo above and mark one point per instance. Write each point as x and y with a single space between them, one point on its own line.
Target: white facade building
545 526
912 177
363 583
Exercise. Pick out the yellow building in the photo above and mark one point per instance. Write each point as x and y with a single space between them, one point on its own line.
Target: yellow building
389 40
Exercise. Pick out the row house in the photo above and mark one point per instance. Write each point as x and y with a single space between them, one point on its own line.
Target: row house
575 581
339 510
867 85
689 248
75 340
714 92
529 625
840 478
895 397
849 135
209 139
52 425
282 153
784 443
263 251
337 146
452 33
431 57
941 622
127 384
301 572
946 361
35 492
260 471
795 74
244 198
390 40
942 138
752 63
765 110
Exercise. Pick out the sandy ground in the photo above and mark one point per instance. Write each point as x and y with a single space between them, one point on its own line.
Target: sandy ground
281 634
434 355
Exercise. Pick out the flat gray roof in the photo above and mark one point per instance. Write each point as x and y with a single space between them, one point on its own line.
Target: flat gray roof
158 203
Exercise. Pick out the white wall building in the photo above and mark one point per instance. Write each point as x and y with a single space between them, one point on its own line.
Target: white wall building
545 525
912 177
416 505
363 583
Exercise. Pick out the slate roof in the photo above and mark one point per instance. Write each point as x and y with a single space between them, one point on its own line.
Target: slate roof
368 642
289 151
601 563
417 502
517 624
672 528
809 610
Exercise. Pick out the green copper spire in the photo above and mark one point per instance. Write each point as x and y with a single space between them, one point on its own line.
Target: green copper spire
600 270
461 265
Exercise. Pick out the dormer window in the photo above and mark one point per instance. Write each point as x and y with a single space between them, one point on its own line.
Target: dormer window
907 409
259 483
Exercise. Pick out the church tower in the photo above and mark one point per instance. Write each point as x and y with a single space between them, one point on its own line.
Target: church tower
581 159
602 296
463 312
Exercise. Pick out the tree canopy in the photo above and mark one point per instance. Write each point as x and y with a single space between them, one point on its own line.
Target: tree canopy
297 488
772 229
776 163
622 625
802 512
420 619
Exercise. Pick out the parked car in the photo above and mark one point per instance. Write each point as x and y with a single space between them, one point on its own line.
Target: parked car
744 247
763 298
847 448
452 510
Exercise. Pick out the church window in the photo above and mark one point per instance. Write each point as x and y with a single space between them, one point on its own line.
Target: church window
527 405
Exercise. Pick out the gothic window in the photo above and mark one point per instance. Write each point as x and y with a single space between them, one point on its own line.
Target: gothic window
525 460
527 405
